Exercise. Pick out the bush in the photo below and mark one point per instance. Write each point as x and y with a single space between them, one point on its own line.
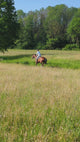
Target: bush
71 47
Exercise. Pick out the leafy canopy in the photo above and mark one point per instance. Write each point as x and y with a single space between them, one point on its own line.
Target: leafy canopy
8 24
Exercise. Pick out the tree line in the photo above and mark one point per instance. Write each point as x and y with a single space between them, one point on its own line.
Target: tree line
51 28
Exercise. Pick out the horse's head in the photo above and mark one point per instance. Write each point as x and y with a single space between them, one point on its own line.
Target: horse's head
34 56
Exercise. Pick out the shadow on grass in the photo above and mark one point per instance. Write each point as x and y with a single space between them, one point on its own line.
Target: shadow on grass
15 57
18 59
25 62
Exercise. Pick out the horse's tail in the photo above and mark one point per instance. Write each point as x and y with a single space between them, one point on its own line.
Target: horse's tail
45 60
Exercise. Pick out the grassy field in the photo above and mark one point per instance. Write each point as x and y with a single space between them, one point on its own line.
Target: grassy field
39 104
56 58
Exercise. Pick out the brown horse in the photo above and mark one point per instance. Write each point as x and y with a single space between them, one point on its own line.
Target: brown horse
41 60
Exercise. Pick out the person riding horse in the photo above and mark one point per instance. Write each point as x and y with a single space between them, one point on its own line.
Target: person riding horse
38 54
39 59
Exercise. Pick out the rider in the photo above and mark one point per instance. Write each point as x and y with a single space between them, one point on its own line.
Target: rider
38 55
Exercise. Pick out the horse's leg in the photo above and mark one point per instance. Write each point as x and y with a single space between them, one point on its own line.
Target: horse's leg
36 63
42 64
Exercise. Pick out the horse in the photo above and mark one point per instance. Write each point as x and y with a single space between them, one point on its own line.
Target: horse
41 60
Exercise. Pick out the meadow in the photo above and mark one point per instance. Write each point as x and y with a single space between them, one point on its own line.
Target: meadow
40 104
56 58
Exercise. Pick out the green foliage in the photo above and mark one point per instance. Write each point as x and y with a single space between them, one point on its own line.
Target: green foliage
57 20
46 29
74 29
20 14
55 43
71 47
51 43
8 24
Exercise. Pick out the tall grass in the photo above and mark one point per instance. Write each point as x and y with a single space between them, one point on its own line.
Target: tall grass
39 104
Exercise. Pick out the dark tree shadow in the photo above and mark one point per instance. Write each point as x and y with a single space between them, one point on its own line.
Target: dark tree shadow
14 57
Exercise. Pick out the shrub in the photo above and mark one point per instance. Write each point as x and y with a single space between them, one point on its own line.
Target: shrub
71 47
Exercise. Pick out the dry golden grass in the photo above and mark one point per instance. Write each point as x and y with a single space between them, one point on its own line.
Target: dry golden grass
33 98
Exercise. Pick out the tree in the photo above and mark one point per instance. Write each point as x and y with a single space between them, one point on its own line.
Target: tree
20 14
32 33
56 23
8 24
74 28
40 34
29 31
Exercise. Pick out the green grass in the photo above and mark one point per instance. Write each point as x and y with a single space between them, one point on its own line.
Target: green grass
61 59
64 63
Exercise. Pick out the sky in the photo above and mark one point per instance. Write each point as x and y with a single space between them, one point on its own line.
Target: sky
32 5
